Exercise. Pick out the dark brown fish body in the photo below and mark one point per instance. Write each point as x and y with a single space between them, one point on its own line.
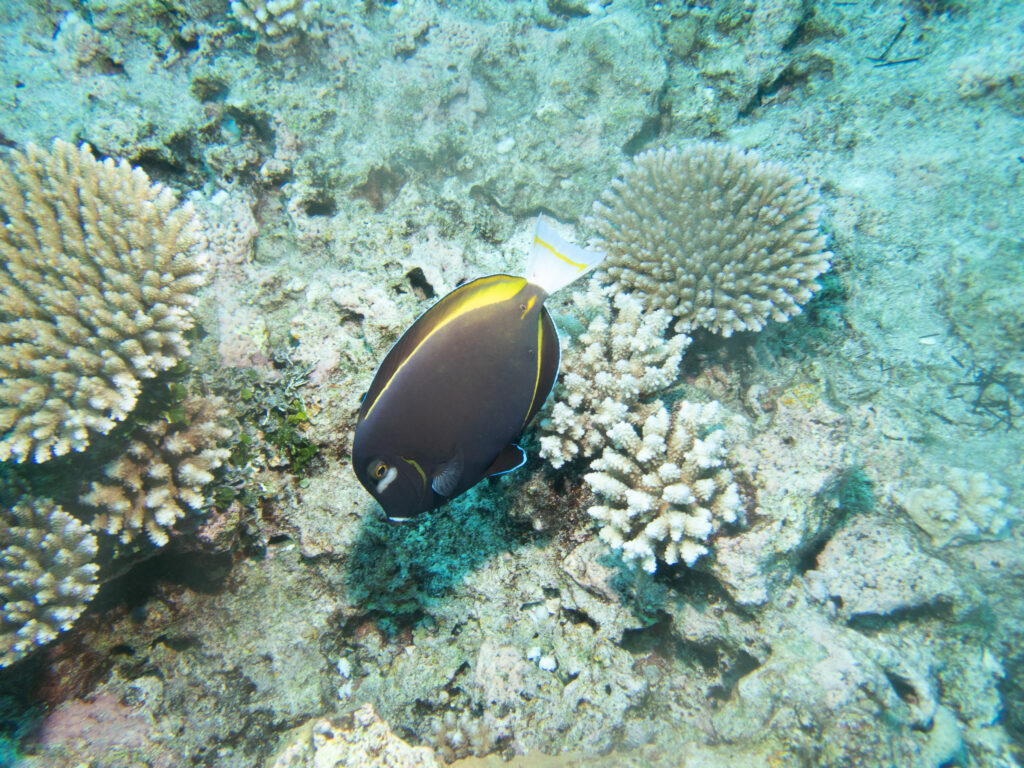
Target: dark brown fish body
454 393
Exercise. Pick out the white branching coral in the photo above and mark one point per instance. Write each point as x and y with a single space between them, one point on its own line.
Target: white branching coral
48 575
667 488
275 17
622 357
97 285
162 475
717 236
965 506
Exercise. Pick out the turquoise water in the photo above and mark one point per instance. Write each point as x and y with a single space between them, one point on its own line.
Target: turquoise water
770 512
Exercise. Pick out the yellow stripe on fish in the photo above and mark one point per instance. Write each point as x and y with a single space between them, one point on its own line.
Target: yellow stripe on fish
560 255
488 291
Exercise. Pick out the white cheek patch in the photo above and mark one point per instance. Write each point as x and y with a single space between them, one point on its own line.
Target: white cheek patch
388 479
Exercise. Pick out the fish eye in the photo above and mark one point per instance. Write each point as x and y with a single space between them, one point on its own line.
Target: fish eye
379 470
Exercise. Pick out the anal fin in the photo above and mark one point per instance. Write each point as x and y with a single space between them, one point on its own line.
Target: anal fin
511 457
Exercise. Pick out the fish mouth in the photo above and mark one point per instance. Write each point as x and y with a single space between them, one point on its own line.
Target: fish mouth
383 515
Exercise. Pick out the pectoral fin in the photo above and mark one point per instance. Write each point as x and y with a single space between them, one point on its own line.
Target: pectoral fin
511 457
446 477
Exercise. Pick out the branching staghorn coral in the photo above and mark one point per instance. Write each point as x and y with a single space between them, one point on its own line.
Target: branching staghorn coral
667 487
48 575
97 284
162 474
621 358
718 237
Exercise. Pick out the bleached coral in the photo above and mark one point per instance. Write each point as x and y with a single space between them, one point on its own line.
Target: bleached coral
275 17
668 487
97 285
622 357
717 236
48 575
162 474
964 507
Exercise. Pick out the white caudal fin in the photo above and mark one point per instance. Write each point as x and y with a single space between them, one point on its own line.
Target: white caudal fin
554 262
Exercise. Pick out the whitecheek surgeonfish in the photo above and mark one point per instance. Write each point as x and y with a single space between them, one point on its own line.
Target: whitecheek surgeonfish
462 383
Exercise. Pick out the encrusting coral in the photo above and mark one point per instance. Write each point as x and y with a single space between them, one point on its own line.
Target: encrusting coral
717 236
97 285
48 575
967 506
162 474
622 357
667 487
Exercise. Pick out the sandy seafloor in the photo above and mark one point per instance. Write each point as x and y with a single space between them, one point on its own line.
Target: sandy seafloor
349 173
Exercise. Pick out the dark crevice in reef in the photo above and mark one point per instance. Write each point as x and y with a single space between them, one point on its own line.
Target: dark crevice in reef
196 571
807 559
157 165
567 10
107 66
185 44
382 185
579 617
870 623
419 283
647 639
903 687
371 627
652 127
848 493
320 204
1011 689
735 669
660 646
258 123
21 705
789 78
696 584
210 88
